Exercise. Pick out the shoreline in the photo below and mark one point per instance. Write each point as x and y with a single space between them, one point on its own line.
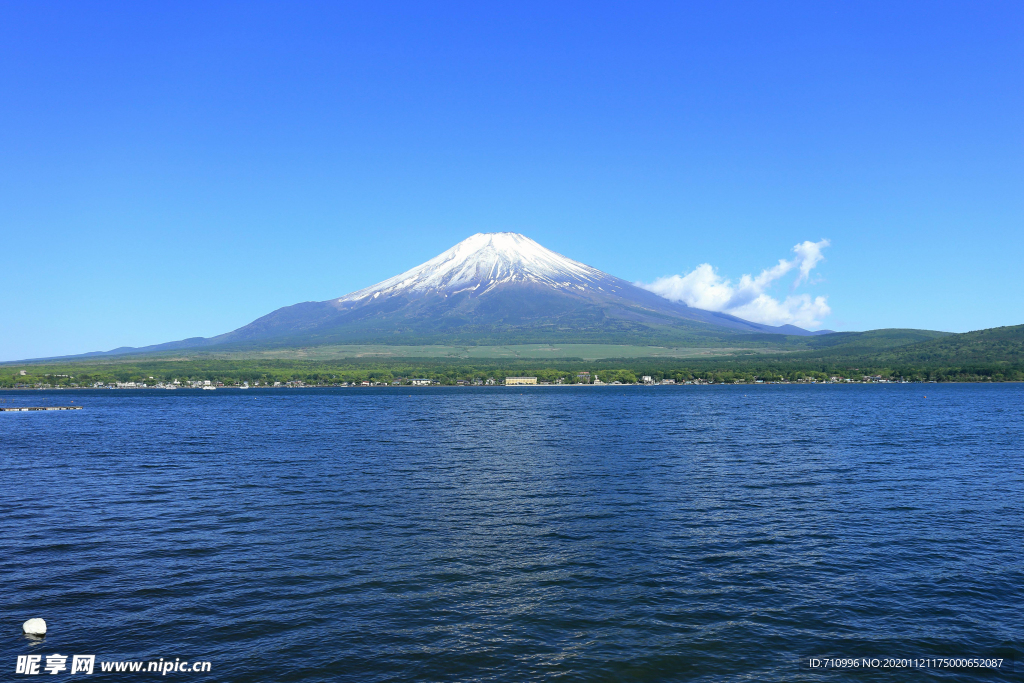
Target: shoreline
520 386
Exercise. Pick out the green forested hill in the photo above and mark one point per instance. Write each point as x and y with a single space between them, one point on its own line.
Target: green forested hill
994 345
992 354
842 344
872 341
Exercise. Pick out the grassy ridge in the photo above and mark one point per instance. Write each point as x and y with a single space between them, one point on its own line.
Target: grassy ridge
848 343
451 352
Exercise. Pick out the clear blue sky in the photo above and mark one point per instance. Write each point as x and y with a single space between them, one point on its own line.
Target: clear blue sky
170 170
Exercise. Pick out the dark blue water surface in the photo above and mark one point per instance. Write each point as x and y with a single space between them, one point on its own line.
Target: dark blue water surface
500 534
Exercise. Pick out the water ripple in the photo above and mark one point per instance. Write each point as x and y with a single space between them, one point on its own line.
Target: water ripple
673 533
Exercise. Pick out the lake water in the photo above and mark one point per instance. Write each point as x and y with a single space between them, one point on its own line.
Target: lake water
526 534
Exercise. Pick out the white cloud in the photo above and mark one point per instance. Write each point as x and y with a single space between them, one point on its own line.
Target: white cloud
704 288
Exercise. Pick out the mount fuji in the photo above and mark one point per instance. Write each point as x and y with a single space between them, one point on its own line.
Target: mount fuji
492 288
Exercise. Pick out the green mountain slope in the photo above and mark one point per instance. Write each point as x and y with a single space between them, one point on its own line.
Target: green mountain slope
872 340
994 345
839 344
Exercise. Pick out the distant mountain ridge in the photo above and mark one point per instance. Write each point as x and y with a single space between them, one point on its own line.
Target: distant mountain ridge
490 288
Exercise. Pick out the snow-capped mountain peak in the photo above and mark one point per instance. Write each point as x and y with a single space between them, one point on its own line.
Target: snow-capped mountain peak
492 288
483 262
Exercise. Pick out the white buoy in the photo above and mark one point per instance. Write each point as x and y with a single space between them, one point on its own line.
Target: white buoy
34 627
